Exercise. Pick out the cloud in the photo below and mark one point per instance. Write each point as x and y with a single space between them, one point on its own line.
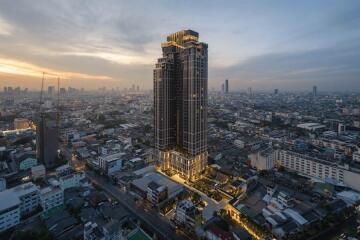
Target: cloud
15 67
5 28
338 65
284 43
78 28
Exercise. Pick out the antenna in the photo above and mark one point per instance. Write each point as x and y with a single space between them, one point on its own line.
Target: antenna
41 91
58 103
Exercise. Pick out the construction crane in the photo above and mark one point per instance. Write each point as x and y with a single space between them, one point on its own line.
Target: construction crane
58 104
41 91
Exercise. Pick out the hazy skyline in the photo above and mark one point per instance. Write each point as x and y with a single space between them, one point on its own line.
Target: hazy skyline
264 45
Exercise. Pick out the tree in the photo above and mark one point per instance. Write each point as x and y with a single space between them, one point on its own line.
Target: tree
196 198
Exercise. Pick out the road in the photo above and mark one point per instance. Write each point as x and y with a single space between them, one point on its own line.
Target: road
151 218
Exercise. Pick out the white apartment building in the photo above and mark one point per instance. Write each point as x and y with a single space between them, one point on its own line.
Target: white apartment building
332 143
38 172
285 199
2 184
156 193
263 159
310 166
28 194
356 156
51 197
239 144
321 169
72 180
111 163
9 210
185 213
92 232
63 170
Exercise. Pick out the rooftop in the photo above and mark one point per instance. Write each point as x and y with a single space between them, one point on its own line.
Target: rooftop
138 234
8 200
112 157
23 189
143 182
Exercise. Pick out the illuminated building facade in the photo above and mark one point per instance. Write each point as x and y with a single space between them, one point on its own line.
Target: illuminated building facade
180 105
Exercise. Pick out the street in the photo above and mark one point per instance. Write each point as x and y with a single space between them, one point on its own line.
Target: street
150 218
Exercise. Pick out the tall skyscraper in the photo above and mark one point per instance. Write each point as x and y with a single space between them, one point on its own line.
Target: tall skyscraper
222 88
227 86
51 90
276 91
180 105
47 139
250 91
314 91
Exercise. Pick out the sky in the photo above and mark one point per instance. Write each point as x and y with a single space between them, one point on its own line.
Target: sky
289 45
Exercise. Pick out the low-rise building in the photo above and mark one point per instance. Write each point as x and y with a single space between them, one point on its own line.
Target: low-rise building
185 213
93 232
28 194
140 186
2 184
239 144
38 172
156 193
51 197
285 199
356 156
263 159
63 170
311 126
72 180
27 163
111 163
9 210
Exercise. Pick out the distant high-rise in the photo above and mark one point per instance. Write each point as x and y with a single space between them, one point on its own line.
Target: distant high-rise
227 86
51 90
62 91
314 91
276 91
47 139
222 88
180 105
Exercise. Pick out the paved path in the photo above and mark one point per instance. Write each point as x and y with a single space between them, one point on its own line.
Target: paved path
212 205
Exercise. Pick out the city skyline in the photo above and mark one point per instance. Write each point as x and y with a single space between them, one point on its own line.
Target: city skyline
285 46
164 120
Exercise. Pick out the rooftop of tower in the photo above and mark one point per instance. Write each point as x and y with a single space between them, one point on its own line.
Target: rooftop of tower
181 37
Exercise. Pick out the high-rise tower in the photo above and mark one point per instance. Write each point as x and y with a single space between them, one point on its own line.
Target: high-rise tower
47 134
314 91
226 85
180 105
